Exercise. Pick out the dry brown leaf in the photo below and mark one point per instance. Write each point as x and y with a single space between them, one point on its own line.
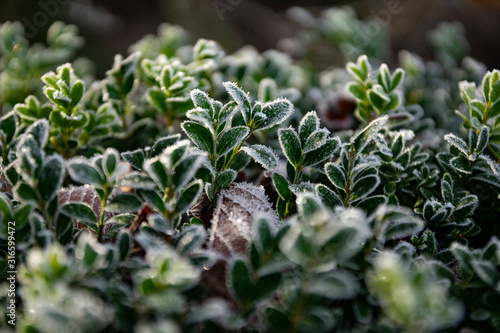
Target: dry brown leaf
232 224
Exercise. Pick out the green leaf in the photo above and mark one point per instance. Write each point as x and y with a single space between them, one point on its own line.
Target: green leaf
466 207
122 219
135 158
153 199
189 196
162 143
124 203
124 244
490 179
370 204
336 175
110 161
79 211
227 111
239 280
495 91
241 98
263 236
156 170
268 89
322 153
364 137
230 139
457 143
26 193
266 285
83 172
308 205
315 140
240 160
461 164
397 145
465 259
186 170
493 110
468 90
482 141
201 136
281 185
202 101
263 155
447 188
176 154
363 311
64 229
8 125
328 197
486 84
51 177
137 180
398 222
158 98
40 131
276 320
290 145
383 77
427 242
308 125
487 271
77 92
361 69
224 179
378 98
397 78
357 90
364 186
276 112
335 286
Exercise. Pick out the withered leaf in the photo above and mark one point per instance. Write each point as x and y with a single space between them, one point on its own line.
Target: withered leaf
232 224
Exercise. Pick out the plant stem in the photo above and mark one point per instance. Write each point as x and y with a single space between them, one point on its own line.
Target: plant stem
100 226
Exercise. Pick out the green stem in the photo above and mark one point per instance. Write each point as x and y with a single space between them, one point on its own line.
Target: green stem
296 178
237 150
100 226
351 156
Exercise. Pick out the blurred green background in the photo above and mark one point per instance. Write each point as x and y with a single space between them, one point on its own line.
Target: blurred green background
111 26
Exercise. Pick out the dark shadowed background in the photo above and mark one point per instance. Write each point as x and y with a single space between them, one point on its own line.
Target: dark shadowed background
111 26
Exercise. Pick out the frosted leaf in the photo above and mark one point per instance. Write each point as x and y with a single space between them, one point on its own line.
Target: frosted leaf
259 116
305 187
457 143
276 112
315 140
179 149
201 116
308 125
495 167
364 137
202 101
60 96
232 224
407 134
241 98
381 144
40 131
263 155
343 231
